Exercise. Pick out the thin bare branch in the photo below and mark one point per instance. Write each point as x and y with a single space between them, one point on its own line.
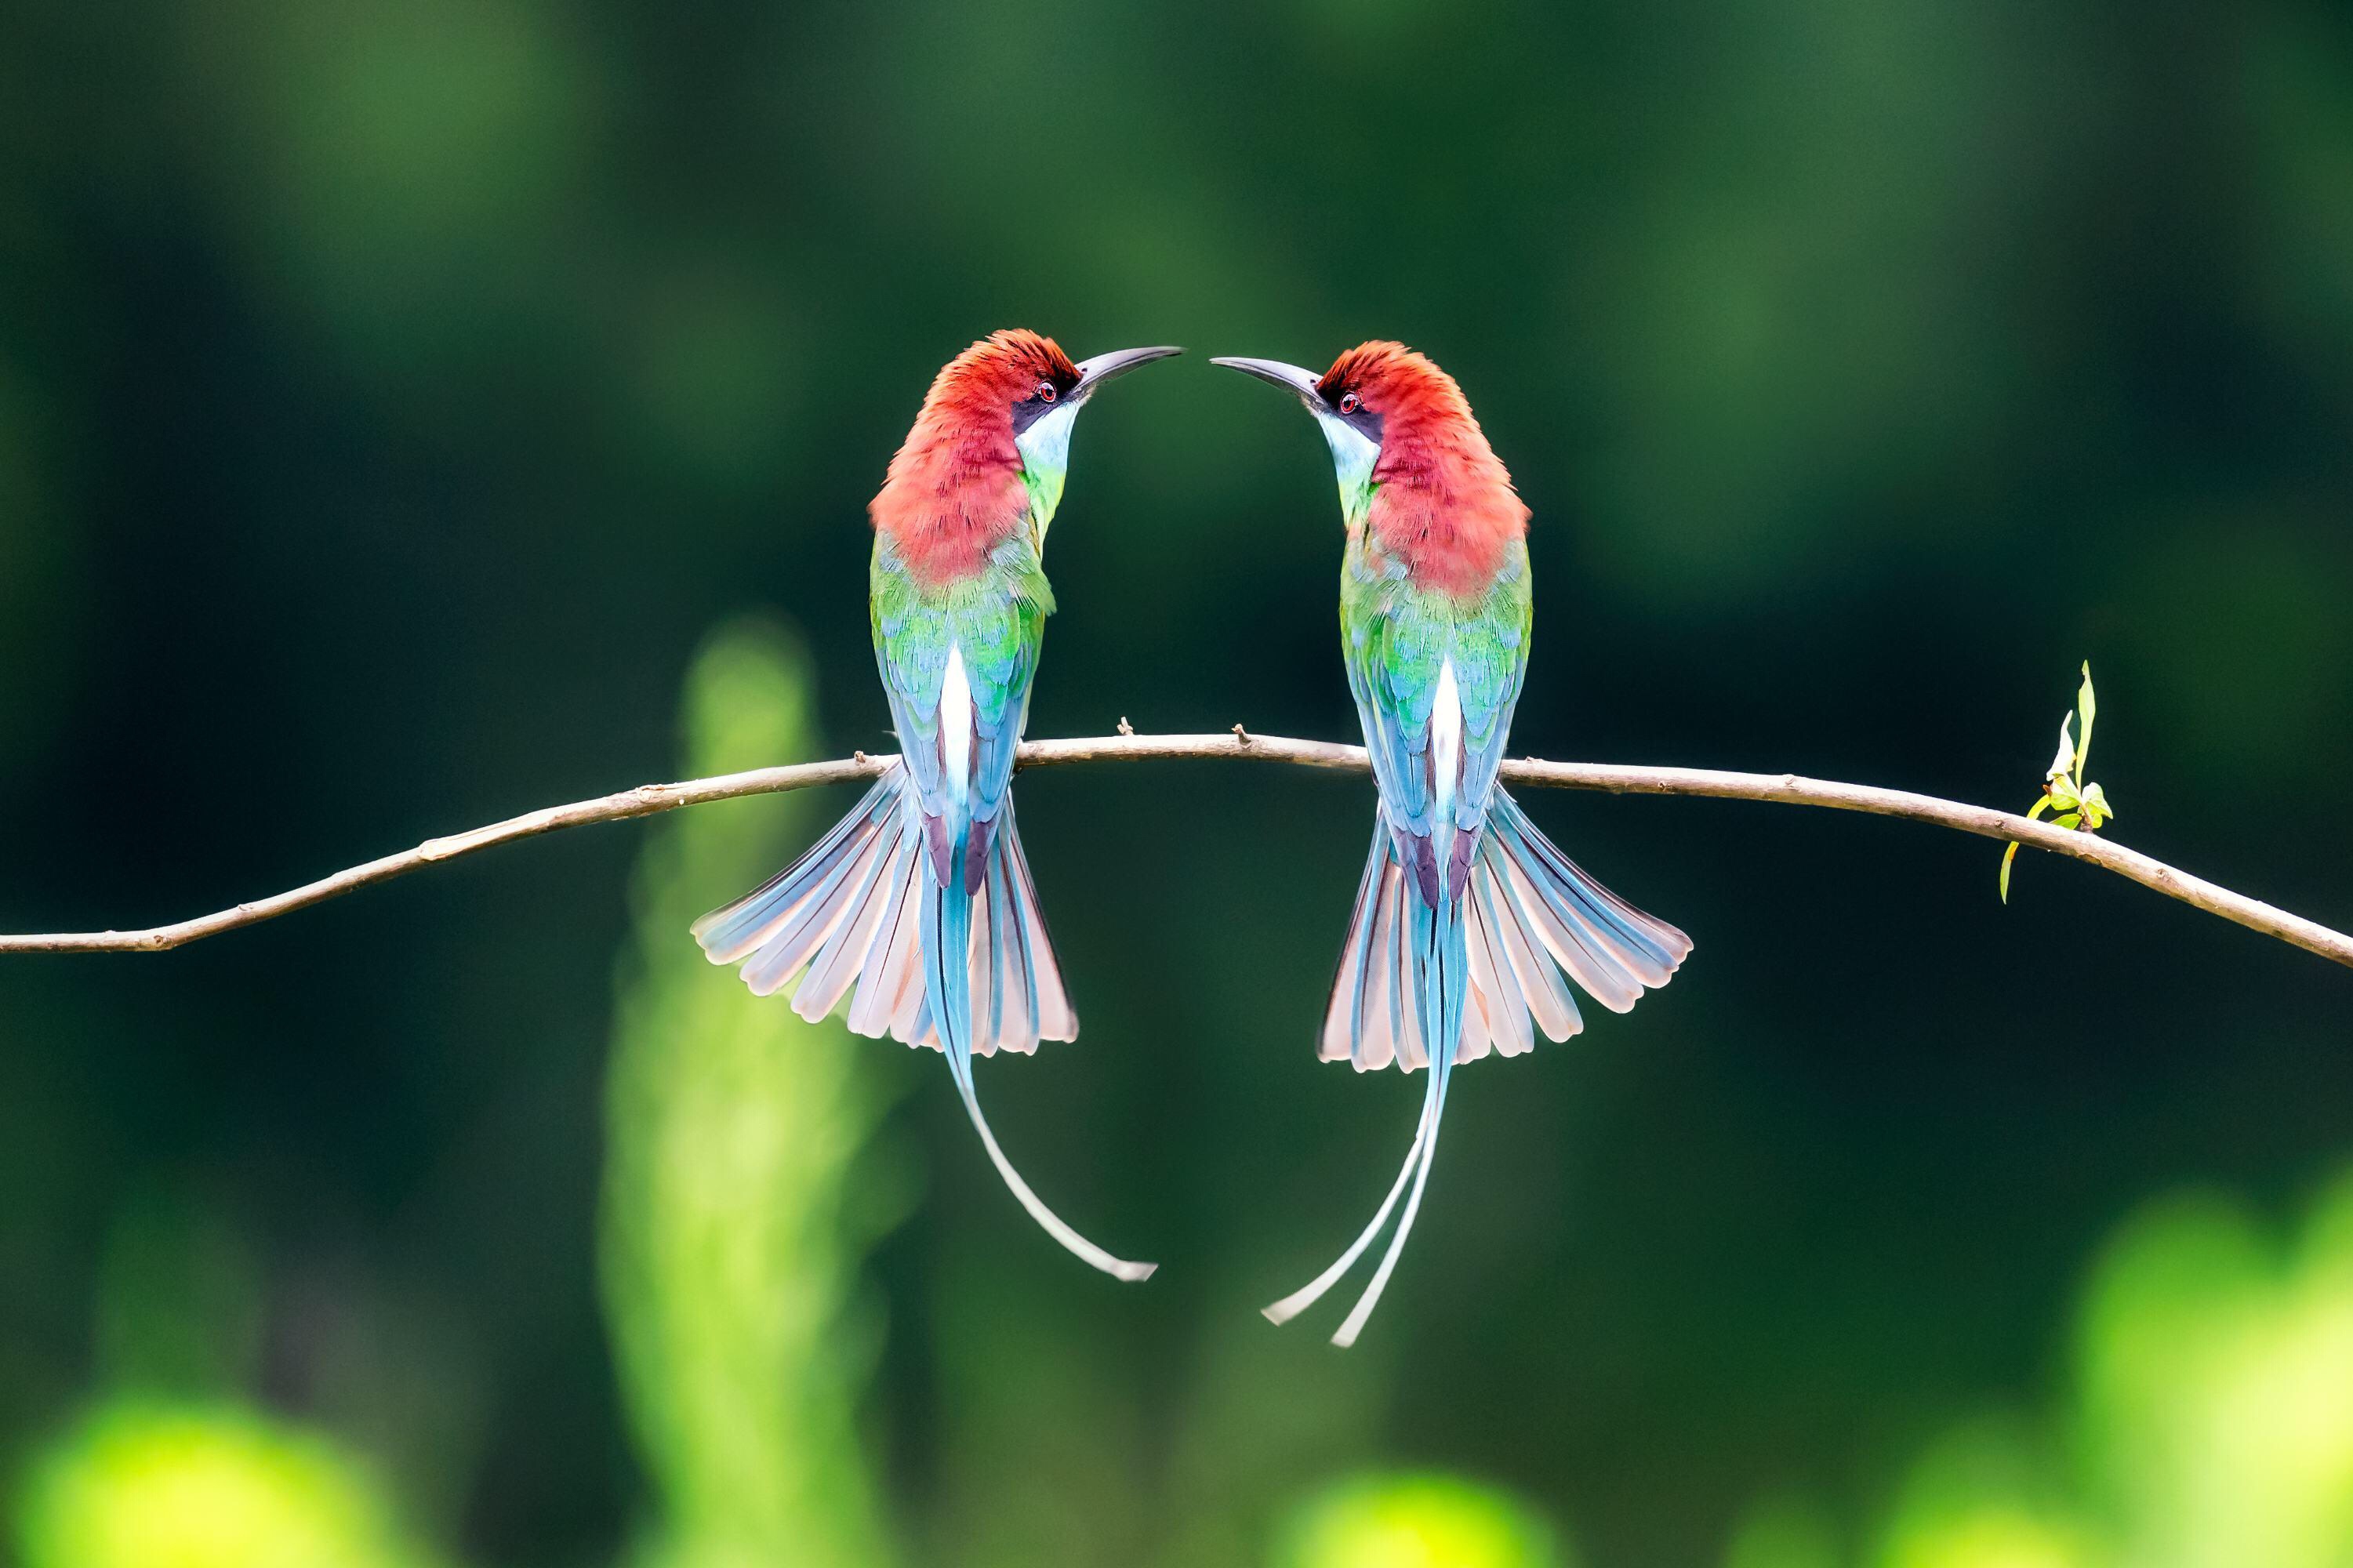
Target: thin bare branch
1787 789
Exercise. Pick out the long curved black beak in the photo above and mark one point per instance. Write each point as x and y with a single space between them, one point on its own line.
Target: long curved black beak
1299 382
1093 373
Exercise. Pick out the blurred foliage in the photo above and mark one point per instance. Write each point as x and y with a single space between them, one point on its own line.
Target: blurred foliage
2209 1421
737 1205
179 1302
171 1465
2216 1357
1416 1521
1785 1532
147 1486
394 395
1981 1498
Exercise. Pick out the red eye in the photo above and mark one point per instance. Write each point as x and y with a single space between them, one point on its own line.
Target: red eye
1350 402
1045 392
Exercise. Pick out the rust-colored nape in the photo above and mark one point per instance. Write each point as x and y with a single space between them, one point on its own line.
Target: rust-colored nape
954 492
1445 505
986 380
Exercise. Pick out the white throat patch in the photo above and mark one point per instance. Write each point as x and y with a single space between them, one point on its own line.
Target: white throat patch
1353 456
1045 451
1046 445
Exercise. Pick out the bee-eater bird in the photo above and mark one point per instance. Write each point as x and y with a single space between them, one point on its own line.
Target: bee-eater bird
921 898
1466 915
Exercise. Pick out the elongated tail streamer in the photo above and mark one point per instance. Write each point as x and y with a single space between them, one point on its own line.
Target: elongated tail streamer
864 909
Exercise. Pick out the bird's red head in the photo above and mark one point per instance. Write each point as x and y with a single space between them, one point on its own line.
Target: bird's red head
954 493
989 382
1444 502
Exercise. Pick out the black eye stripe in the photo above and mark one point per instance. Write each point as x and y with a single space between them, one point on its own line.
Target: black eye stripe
1046 395
1359 418
1031 409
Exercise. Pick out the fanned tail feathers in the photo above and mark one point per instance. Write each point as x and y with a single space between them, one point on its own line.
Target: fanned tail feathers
863 908
1532 920
850 912
1485 970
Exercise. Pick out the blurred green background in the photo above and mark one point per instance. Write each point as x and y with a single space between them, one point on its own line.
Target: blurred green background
416 411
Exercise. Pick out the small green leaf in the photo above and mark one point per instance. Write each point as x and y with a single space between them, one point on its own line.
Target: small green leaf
2079 805
2064 762
2087 706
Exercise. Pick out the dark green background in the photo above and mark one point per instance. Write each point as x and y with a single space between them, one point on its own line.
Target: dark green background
393 394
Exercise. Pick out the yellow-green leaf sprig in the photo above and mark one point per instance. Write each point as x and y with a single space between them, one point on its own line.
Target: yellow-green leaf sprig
2079 804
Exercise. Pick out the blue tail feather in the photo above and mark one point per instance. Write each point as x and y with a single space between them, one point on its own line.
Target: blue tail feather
760 918
865 907
1441 966
1409 989
1648 947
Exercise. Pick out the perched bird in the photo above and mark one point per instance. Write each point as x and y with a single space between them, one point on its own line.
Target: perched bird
1467 915
920 896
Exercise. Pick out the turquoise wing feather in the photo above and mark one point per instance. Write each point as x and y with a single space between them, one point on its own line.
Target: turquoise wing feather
1397 640
1490 659
996 621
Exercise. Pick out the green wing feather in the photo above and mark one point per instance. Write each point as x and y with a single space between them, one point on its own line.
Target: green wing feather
998 617
1395 638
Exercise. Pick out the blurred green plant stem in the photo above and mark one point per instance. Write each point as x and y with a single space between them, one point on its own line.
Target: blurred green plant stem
737 1209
